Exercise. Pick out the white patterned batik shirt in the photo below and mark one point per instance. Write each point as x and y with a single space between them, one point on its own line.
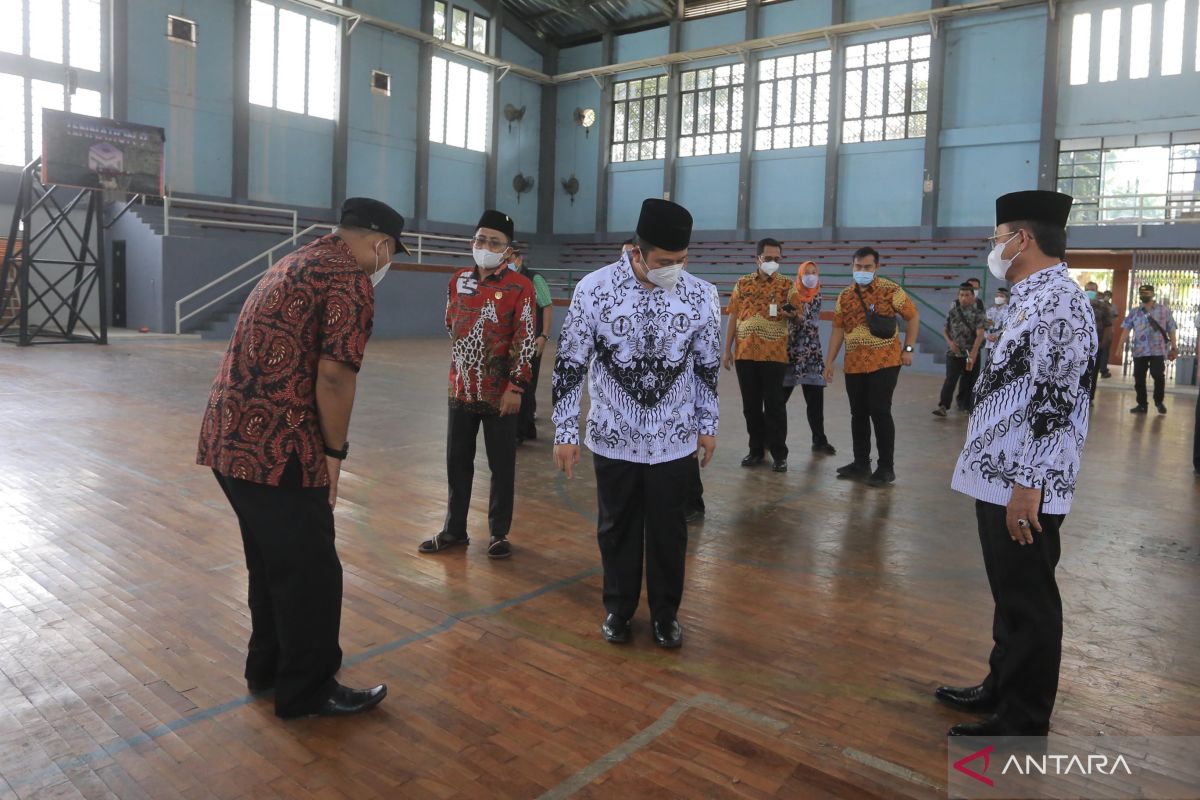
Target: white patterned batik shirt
651 359
1031 403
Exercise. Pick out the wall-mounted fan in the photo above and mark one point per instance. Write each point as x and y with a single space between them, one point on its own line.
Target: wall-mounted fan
513 114
571 186
522 183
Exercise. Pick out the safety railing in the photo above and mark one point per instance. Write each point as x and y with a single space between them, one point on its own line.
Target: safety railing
170 204
415 242
1168 208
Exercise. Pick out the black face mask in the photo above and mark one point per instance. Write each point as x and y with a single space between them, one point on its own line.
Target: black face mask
1147 298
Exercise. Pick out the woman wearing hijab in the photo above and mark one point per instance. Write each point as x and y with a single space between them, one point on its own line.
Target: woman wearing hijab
806 362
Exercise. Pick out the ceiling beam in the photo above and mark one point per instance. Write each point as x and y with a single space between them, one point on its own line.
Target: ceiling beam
517 26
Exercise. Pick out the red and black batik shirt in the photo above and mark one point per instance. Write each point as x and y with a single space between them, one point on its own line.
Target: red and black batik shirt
315 303
493 325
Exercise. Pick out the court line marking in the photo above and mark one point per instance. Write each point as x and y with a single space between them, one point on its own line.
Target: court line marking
120 745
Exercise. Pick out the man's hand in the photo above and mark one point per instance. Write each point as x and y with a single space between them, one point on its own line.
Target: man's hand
906 358
970 363
828 374
1173 353
540 344
705 447
566 456
510 403
727 361
954 349
334 466
1026 504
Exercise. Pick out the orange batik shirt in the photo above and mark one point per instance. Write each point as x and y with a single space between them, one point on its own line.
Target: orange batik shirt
761 336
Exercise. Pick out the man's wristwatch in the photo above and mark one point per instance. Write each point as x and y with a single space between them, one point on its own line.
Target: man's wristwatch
908 348
340 455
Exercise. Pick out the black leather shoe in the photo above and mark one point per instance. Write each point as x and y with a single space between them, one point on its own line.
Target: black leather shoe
825 449
855 470
260 687
442 541
967 698
993 726
695 515
752 460
1138 410
499 547
882 477
780 465
668 634
615 629
1162 408
345 701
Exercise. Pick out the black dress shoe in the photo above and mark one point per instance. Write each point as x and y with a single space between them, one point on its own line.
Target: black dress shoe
499 547
1138 410
824 448
967 698
882 477
668 634
993 726
259 687
616 630
855 470
780 465
695 515
752 460
1162 408
346 701
442 541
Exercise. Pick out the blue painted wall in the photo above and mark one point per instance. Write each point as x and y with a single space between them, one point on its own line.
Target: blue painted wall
787 188
518 151
858 10
576 153
793 15
456 184
186 90
713 31
291 158
879 184
708 187
643 44
628 185
584 56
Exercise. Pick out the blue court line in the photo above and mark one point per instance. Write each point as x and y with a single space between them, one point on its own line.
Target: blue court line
158 731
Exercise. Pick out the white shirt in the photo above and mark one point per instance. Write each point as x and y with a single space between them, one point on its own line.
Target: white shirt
1031 403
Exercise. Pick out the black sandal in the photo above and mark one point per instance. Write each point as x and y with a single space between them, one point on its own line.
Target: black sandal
499 548
441 541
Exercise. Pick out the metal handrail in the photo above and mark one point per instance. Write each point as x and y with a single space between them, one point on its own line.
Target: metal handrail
419 251
169 201
1141 210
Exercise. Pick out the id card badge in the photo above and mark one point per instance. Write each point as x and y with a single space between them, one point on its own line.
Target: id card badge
772 310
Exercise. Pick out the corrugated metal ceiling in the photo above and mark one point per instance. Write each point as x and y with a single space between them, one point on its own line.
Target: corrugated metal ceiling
566 21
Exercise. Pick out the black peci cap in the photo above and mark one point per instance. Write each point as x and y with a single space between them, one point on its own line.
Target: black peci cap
664 224
1036 205
497 221
373 215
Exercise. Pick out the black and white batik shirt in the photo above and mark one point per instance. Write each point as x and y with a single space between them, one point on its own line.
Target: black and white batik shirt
651 357
1031 402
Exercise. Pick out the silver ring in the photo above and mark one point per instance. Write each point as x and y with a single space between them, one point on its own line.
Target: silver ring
1024 523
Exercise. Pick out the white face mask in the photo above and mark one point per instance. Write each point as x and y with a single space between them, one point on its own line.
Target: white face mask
809 281
380 272
999 301
769 268
486 259
998 266
665 277
863 277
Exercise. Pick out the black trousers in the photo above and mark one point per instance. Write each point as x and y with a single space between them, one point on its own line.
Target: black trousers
1157 365
642 511
871 404
526 429
695 495
814 403
764 406
1027 625
500 441
295 593
957 373
1101 366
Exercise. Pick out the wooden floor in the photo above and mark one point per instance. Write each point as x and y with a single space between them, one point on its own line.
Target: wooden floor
819 615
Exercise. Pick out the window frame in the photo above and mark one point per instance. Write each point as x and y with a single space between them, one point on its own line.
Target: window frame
621 103
813 79
485 78
735 87
855 129
473 17
307 71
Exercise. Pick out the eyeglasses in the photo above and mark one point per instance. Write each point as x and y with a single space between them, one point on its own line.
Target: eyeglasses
994 239
491 244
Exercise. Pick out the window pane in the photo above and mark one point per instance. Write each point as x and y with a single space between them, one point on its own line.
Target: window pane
785 67
322 69
479 35
855 56
1081 48
290 61
10 32
12 132
84 21
647 150
262 53
897 88
766 69
1110 43
480 110
457 97
437 101
824 60
853 94
704 112
45 30
721 76
458 27
873 130
803 110
876 53
851 132
649 118
618 154
783 102
85 101
898 50
874 104
821 100
920 85
920 47
439 19
804 64
702 145
894 128
660 149
634 122
736 118
735 142
1139 41
685 147
720 144
766 103
916 126
762 140
687 119
1172 45
619 122
43 95
820 135
619 90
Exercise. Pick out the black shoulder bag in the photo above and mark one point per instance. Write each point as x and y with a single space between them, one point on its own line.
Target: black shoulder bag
881 327
1154 324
